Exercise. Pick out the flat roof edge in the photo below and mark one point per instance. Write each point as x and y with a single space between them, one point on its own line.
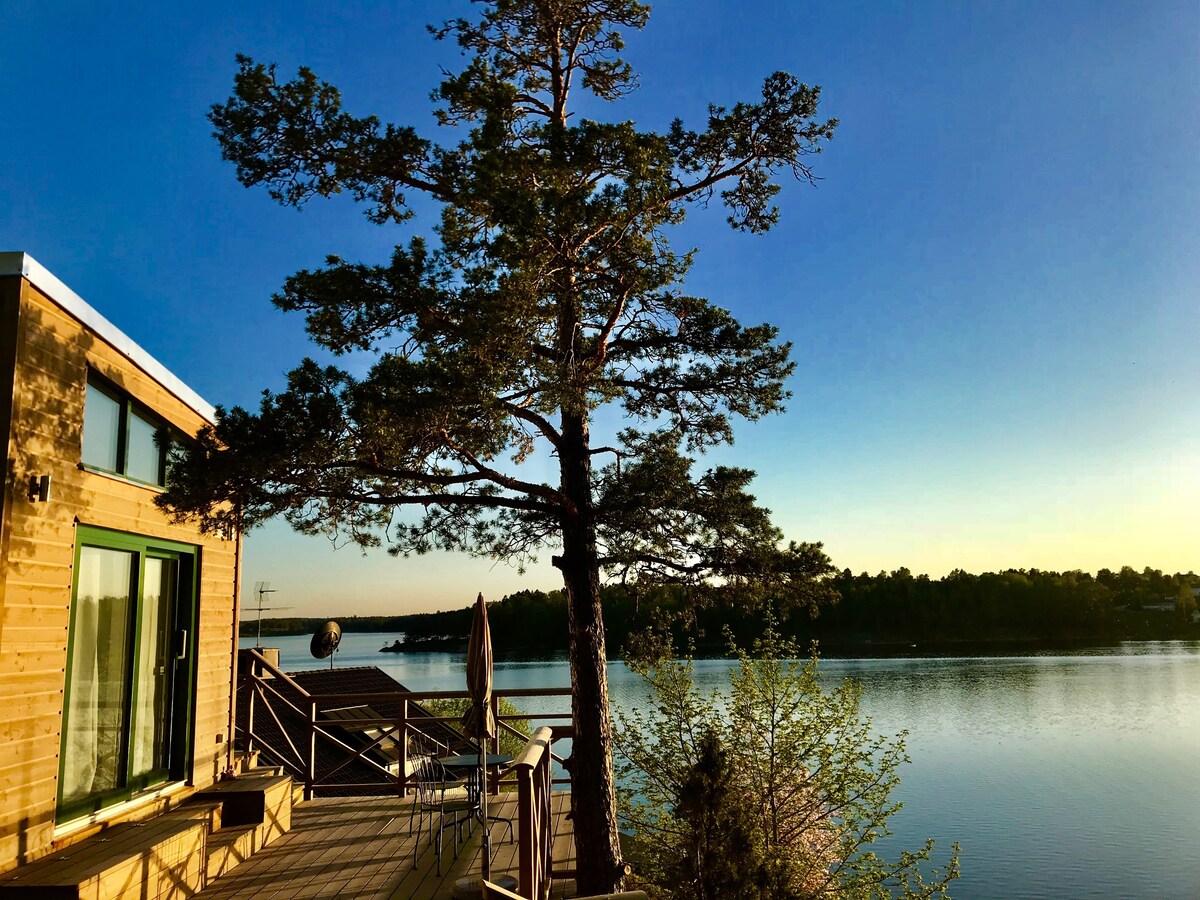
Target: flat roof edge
24 265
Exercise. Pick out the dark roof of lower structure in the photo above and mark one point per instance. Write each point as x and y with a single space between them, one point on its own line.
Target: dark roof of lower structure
280 726
373 680
351 680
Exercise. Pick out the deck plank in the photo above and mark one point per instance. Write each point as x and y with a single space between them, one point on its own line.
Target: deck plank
563 847
363 847
388 850
311 851
341 841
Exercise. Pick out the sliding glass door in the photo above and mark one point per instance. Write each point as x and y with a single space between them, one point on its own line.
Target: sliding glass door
150 744
127 703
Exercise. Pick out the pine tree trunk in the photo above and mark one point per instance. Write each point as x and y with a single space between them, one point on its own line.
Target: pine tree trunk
593 797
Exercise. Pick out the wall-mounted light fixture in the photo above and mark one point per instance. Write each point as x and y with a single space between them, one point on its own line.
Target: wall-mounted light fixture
39 488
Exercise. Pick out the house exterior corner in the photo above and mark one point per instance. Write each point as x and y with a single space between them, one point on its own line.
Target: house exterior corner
117 626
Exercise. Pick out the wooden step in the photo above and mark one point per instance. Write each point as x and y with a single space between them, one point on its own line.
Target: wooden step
256 809
149 860
254 800
229 848
172 855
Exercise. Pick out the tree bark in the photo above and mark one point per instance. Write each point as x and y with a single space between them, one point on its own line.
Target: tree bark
593 794
593 786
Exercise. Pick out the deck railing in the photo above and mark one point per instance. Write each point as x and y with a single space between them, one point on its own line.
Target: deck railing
535 840
308 734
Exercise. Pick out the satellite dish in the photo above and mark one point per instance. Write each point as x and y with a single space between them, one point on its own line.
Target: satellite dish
325 641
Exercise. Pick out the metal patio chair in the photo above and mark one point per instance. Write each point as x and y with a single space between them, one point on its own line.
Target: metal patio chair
440 798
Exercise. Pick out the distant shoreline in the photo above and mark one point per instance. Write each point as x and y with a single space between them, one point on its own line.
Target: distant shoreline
873 649
433 645
893 614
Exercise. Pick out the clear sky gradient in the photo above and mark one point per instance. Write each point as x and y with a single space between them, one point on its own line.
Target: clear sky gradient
992 292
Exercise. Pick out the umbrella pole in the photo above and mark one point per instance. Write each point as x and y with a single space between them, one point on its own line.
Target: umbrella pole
487 831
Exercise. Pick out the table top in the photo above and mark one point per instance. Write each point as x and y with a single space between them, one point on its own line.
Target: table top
471 760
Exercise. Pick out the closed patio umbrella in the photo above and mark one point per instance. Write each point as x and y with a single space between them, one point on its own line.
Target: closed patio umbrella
479 722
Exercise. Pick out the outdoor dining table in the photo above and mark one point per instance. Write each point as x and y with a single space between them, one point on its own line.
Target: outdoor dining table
470 762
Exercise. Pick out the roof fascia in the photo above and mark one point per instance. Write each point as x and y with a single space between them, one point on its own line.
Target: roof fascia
24 265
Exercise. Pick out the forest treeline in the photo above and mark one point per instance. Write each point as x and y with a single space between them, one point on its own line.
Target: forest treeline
891 608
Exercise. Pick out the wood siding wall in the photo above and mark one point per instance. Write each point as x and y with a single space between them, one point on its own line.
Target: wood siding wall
52 352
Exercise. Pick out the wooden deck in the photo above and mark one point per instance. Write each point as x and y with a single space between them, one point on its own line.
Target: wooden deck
362 847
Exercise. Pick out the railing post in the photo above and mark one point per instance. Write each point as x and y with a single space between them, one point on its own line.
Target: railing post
527 844
310 767
250 680
495 702
536 840
402 737
546 815
495 741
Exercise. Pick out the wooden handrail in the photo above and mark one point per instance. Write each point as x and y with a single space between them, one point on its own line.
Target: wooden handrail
418 696
534 750
278 673
496 892
386 721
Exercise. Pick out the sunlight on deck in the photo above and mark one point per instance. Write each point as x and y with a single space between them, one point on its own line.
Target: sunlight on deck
363 847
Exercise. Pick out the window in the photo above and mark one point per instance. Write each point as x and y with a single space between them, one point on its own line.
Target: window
144 458
127 702
122 438
101 429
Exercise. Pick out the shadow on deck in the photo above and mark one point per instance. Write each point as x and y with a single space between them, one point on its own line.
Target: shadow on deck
363 847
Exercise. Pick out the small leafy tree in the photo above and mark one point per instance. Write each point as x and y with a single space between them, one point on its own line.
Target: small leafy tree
456 707
812 779
546 290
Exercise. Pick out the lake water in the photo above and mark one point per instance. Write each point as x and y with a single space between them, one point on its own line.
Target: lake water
1060 775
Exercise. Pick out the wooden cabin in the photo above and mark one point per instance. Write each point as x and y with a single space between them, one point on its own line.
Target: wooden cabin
117 628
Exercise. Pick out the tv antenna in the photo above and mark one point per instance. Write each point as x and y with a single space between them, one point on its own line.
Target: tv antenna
262 588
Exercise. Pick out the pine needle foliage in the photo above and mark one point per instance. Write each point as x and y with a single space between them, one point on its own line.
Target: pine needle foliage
718 832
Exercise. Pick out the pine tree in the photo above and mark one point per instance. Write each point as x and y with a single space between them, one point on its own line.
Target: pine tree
719 859
546 291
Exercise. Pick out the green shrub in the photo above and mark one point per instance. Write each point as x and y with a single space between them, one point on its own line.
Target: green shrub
509 742
774 790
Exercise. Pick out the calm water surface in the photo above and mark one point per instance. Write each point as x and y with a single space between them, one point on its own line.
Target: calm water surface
1061 776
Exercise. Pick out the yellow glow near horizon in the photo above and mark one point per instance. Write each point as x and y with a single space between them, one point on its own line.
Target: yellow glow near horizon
1087 515
1143 515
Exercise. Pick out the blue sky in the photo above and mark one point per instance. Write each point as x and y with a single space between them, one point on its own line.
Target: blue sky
992 292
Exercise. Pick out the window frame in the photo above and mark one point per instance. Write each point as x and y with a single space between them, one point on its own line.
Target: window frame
182 696
165 434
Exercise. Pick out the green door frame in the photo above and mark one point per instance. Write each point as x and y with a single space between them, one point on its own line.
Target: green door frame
184 611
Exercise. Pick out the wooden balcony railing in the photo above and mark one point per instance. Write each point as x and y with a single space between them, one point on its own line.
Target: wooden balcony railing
535 837
334 743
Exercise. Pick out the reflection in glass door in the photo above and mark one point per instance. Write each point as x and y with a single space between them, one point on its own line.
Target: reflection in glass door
96 713
149 744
